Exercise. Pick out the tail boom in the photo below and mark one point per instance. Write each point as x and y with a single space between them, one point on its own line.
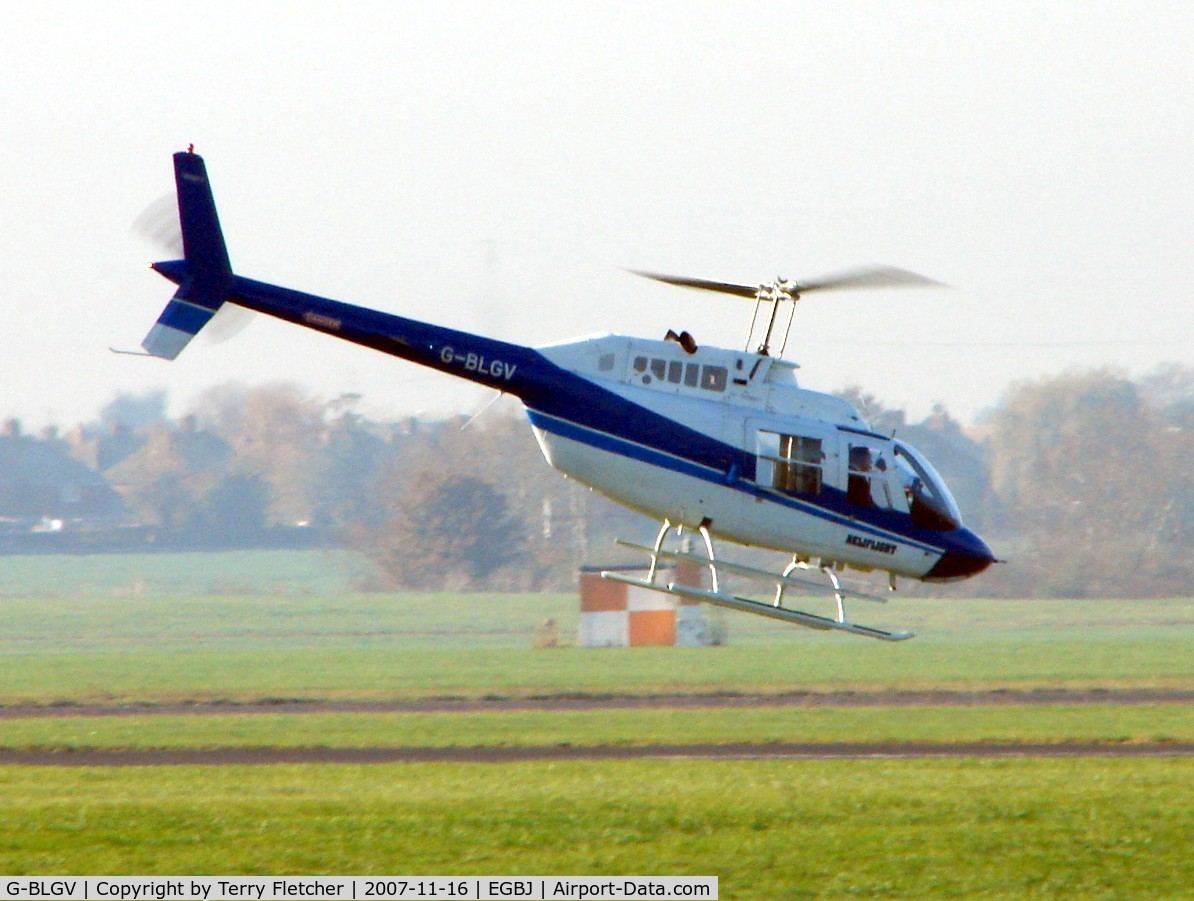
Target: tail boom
512 368
205 282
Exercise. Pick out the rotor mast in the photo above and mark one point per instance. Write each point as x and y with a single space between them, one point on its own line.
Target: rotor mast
768 300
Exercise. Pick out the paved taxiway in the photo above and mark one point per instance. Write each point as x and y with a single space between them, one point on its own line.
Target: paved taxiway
230 756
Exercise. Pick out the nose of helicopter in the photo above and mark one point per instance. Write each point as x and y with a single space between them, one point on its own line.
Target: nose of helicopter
966 556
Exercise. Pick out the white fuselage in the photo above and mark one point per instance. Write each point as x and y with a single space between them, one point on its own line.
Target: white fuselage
743 401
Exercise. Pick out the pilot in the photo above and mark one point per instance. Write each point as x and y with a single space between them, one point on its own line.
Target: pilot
858 483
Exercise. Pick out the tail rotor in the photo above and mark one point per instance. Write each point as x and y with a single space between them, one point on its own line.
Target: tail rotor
203 274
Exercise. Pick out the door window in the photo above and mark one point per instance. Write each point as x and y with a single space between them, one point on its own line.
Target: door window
792 464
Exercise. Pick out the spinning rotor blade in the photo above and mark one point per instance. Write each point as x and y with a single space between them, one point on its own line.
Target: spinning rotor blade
702 284
229 321
865 277
158 224
868 277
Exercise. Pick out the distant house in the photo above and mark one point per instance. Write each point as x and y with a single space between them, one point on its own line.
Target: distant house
103 448
163 478
40 481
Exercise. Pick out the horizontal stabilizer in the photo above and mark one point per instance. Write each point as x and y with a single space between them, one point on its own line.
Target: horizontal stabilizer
185 314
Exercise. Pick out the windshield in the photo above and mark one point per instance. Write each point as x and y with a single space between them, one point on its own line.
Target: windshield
929 501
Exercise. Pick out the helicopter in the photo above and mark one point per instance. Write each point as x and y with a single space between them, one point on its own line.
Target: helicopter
721 442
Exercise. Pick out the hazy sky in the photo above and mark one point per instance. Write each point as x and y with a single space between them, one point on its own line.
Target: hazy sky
494 166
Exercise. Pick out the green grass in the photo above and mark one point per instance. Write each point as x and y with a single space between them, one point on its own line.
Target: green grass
311 669
167 646
269 589
144 575
1047 723
767 829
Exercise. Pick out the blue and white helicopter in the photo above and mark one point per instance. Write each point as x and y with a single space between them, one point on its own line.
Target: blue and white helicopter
722 442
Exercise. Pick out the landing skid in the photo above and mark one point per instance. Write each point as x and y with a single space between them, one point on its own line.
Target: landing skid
781 581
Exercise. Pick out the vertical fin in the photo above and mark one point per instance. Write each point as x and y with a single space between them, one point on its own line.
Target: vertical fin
202 239
206 269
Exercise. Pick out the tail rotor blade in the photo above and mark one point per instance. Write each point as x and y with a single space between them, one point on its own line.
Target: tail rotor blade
228 322
158 225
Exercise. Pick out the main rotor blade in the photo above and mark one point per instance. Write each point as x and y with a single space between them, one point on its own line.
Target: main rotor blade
864 277
702 284
868 277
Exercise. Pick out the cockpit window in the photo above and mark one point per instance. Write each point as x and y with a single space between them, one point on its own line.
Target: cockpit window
929 501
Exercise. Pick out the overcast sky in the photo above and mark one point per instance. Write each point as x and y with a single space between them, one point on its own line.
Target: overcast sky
494 166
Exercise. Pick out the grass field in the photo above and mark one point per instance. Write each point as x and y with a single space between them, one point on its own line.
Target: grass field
767 829
242 647
179 628
164 575
1044 723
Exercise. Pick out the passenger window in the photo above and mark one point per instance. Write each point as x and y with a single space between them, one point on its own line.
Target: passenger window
866 481
640 365
692 375
605 363
674 371
714 378
790 463
658 368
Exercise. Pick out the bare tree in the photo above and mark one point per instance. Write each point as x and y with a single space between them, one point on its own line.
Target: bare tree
275 432
444 528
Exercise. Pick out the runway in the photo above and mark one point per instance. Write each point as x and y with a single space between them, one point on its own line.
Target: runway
255 756
927 698
252 756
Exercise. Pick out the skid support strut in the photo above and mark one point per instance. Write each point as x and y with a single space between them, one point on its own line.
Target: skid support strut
663 530
712 559
837 594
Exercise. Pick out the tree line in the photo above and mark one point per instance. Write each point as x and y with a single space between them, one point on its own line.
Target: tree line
1079 481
